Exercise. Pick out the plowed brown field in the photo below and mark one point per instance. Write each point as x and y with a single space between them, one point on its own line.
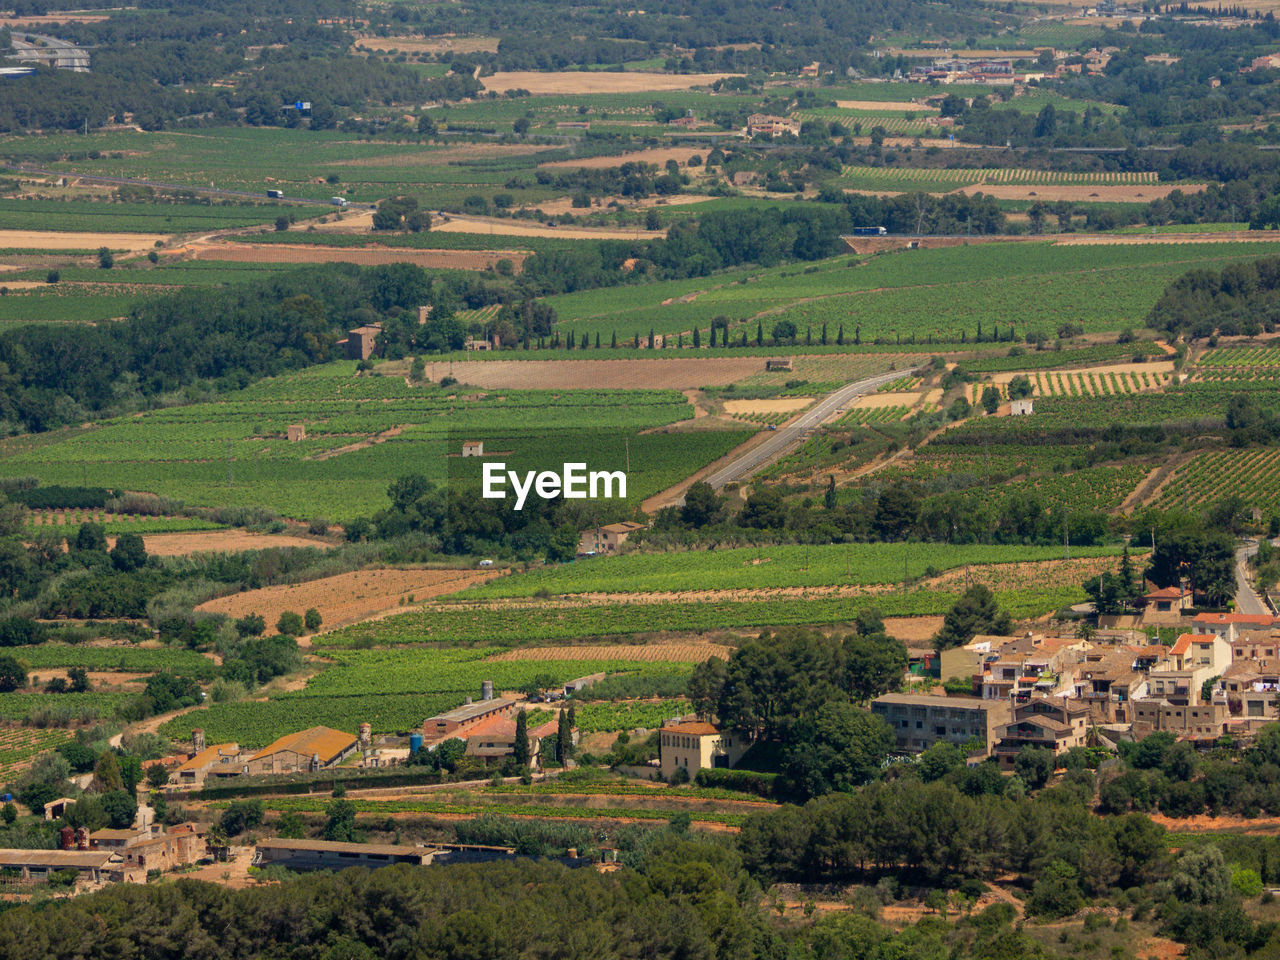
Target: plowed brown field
682 374
369 256
348 597
649 652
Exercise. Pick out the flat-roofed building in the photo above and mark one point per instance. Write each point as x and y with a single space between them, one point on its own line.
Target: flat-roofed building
918 722
331 855
453 722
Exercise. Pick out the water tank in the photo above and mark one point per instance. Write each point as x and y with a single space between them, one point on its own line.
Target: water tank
366 736
67 838
82 838
486 690
197 739
466 701
415 742
315 762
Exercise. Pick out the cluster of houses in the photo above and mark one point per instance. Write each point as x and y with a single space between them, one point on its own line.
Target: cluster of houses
1220 677
108 855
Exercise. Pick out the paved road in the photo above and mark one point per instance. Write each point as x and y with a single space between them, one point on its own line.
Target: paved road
1246 600
793 433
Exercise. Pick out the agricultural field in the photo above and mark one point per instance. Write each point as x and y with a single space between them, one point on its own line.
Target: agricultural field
1089 382
363 433
117 658
1244 356
948 178
19 746
394 690
114 217
767 568
1251 475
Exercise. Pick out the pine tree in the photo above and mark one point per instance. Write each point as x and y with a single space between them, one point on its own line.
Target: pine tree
520 750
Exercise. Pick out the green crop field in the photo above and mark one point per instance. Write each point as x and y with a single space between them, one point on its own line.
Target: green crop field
124 659
191 452
394 690
521 623
1251 475
108 217
761 569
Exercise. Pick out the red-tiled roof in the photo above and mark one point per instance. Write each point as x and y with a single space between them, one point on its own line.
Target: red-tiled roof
1234 618
1167 593
1181 645
693 729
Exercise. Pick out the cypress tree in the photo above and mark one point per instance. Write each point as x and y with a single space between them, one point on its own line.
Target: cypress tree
713 337
759 333
520 749
857 334
697 338
744 337
614 342
597 339
680 341
636 342
564 737
824 333
840 336
651 338
808 336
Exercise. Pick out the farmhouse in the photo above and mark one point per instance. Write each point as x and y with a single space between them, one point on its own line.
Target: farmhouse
921 721
606 539
362 341
221 756
95 866
694 746
473 448
315 749
1167 602
764 125
495 738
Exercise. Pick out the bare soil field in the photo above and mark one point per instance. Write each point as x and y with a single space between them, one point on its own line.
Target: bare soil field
298 253
878 401
912 629
1122 193
516 228
648 652
430 44
1207 824
348 597
883 105
560 205
596 81
657 156
58 240
448 155
673 374
781 405
222 541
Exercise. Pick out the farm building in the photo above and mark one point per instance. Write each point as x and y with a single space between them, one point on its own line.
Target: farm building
153 848
694 746
296 432
477 345
468 715
362 341
582 683
473 448
921 721
781 364
606 539
314 749
94 866
764 125
1055 723
331 855
1021 408
200 764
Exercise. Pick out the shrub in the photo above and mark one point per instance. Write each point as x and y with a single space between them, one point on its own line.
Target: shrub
290 623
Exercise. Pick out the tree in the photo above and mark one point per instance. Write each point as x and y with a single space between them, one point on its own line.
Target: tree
241 815
702 505
250 625
564 737
121 808
105 260
840 748
12 675
975 612
990 400
874 664
1201 876
1205 558
282 223
129 553
86 812
311 620
520 749
157 776
1035 766
90 537
9 813
341 824
78 680
897 510
106 775
290 827
289 624
1056 893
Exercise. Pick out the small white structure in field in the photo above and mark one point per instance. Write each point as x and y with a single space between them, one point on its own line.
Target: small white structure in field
1020 408
473 448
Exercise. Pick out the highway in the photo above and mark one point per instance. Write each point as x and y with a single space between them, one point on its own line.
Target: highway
794 432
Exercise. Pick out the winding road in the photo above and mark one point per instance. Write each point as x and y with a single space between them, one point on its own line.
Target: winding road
1247 601
794 432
